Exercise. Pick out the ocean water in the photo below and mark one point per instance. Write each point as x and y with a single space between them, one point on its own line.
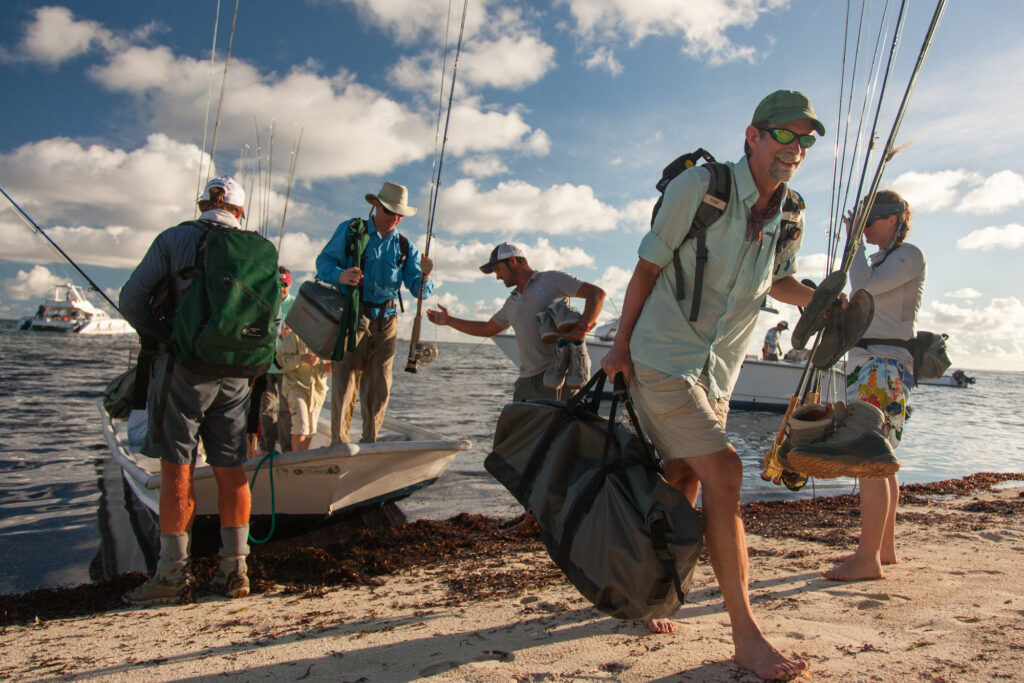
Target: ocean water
59 490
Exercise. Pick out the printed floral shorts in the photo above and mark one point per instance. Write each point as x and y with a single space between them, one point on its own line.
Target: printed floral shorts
884 383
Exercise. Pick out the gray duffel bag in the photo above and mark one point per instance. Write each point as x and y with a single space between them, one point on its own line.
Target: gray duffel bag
315 316
626 538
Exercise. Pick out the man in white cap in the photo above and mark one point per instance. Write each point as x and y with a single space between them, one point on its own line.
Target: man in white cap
772 349
533 292
385 261
186 406
681 361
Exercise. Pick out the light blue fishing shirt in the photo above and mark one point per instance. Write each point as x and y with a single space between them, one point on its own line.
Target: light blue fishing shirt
737 276
382 277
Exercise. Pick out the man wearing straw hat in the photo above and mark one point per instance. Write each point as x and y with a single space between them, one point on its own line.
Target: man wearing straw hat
388 262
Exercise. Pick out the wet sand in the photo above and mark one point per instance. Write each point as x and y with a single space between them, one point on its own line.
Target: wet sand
470 599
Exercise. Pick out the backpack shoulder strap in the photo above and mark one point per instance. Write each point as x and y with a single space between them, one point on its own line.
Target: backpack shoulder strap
711 208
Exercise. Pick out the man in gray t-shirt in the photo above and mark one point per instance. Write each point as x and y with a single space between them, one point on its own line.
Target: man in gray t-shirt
533 292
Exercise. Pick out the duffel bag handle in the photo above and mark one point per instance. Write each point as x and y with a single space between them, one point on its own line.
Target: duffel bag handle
620 394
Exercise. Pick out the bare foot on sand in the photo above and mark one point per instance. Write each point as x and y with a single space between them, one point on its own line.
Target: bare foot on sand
887 558
855 569
763 659
660 625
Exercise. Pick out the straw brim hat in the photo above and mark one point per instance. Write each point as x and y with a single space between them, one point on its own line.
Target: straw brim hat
394 198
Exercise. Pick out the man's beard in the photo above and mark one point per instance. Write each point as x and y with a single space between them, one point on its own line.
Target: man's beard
782 172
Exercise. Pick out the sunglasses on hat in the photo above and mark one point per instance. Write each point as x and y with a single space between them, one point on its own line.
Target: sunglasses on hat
784 136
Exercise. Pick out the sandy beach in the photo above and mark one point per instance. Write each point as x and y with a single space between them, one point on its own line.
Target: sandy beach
489 605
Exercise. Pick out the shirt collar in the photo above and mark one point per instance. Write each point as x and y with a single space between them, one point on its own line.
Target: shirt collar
745 187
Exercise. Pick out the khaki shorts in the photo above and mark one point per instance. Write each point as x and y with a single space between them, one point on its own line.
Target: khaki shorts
301 409
680 420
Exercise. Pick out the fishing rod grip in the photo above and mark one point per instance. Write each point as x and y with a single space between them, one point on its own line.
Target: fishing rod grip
413 360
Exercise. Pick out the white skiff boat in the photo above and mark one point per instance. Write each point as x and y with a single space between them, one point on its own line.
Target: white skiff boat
321 482
70 311
762 384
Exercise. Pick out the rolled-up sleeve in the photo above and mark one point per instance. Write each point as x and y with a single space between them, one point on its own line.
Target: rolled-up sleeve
332 260
679 205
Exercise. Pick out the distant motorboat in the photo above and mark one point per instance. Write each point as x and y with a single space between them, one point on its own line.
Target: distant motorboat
762 384
956 379
70 311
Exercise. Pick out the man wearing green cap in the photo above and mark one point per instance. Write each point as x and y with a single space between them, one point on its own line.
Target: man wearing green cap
682 361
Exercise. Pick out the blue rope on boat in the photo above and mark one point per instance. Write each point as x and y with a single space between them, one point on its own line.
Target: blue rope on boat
273 511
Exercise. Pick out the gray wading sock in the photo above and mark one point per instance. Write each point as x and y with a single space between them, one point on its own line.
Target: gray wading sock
173 561
234 548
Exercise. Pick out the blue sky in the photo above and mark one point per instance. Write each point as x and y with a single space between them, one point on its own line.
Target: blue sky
565 113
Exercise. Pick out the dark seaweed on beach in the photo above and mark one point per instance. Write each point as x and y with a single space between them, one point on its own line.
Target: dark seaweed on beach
367 555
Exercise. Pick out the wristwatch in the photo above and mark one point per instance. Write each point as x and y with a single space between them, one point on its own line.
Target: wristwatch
584 326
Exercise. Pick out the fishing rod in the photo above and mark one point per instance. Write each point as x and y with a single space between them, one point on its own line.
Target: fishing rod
417 351
34 226
206 112
773 469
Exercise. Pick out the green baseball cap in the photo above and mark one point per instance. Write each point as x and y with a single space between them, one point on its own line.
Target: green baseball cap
783 106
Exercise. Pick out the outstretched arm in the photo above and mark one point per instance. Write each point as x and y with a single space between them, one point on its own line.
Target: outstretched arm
477 328
789 291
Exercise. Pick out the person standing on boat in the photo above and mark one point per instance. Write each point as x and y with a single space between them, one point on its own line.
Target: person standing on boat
681 373
275 418
879 373
389 261
772 349
197 407
533 293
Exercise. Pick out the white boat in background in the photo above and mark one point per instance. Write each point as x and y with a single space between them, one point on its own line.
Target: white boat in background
70 311
956 379
324 481
762 384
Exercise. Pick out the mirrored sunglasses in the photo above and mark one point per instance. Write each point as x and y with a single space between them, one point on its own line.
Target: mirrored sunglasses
784 136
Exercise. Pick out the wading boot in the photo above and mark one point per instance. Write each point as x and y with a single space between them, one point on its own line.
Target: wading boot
849 441
171 583
579 366
565 316
549 334
232 577
554 378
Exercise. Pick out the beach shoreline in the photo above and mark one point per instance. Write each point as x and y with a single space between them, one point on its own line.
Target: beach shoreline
470 599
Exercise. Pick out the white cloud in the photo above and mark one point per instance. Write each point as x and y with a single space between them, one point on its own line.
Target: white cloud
55 36
999 192
927 192
993 237
813 266
347 128
703 25
512 61
604 58
37 283
460 261
483 166
986 337
60 179
410 20
516 207
965 293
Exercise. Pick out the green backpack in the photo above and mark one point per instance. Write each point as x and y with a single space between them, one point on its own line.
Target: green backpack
226 323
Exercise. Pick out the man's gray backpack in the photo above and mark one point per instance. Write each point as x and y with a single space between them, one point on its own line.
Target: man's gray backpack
625 537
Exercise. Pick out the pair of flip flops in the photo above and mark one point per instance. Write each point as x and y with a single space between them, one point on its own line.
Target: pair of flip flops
840 328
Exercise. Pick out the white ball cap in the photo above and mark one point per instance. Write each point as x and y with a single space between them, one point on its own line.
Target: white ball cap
233 192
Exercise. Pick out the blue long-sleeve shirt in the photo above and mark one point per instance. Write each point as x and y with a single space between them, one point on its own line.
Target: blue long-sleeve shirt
382 278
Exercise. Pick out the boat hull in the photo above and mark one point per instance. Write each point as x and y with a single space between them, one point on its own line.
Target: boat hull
762 385
319 483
